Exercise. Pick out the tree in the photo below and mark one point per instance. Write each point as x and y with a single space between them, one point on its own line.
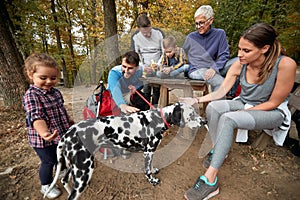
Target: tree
12 80
59 45
111 33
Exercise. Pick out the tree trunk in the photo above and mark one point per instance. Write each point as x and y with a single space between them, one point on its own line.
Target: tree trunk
70 44
59 46
111 34
95 42
12 80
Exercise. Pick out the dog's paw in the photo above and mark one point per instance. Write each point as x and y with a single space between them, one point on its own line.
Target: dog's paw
155 171
154 181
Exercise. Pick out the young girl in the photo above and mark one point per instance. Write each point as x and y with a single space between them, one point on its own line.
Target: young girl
266 78
46 116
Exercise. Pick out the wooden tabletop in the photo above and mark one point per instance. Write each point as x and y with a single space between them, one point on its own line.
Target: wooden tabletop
161 81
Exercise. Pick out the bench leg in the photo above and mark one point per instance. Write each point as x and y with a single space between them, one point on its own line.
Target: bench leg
164 96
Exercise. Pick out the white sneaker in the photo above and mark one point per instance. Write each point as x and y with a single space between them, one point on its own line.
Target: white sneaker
54 193
62 174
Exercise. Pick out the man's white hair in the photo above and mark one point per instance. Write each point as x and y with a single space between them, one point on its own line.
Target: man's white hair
205 10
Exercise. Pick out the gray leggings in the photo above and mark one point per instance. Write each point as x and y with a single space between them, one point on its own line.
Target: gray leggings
225 115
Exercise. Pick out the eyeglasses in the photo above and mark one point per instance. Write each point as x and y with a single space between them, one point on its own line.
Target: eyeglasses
201 23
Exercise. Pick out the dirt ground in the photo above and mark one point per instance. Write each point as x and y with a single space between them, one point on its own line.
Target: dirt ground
247 173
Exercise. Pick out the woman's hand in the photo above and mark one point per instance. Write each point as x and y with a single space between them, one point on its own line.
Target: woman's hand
189 100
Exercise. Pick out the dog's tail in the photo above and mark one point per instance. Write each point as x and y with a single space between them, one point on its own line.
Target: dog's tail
59 152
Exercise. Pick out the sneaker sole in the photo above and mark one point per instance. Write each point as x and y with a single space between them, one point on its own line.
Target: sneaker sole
49 197
214 193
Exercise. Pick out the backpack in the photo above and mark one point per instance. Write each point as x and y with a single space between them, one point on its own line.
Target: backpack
100 104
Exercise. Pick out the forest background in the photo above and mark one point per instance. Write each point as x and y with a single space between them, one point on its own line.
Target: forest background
87 37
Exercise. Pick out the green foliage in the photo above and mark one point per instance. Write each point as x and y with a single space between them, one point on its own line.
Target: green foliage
35 28
236 16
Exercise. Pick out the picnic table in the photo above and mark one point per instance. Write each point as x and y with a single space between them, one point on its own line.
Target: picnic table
167 84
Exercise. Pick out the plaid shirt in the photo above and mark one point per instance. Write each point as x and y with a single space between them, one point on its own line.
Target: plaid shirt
45 105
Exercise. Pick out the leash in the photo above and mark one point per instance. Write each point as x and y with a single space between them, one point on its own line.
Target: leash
133 90
164 119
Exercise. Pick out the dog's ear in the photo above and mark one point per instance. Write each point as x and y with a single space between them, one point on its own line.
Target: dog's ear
176 115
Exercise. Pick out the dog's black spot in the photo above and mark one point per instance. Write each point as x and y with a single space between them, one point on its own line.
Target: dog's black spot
78 173
127 132
83 160
84 184
124 118
142 134
142 131
71 133
87 138
70 155
105 120
77 146
154 142
69 147
120 130
130 119
126 125
74 139
126 139
86 123
143 120
108 131
176 115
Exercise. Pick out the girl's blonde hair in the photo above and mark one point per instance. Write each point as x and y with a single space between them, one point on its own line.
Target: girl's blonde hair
35 60
262 34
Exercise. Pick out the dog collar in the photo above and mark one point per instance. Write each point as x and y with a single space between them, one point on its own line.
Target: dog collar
164 119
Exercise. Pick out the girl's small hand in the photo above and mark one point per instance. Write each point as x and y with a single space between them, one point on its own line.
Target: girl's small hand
47 136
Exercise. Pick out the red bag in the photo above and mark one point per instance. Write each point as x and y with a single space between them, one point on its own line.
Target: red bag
104 104
108 105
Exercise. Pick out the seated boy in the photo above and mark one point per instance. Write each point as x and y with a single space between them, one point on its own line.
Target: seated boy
172 60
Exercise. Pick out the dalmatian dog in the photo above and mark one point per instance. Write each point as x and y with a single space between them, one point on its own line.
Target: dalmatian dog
141 131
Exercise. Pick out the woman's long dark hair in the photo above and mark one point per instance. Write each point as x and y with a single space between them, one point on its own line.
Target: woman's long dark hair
262 34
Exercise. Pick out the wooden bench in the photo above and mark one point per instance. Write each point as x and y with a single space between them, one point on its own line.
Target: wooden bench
187 85
294 102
